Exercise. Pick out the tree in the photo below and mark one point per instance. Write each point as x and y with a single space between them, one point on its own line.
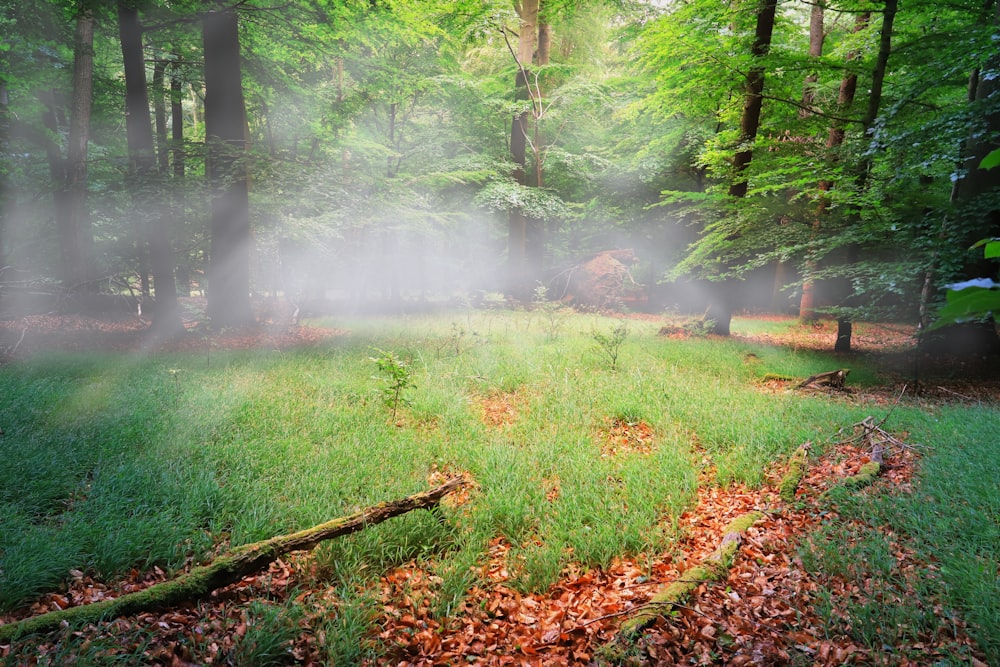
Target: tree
76 238
720 311
146 179
835 139
527 41
844 321
225 136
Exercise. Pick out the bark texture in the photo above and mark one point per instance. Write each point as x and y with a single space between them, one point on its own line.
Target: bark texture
225 134
147 181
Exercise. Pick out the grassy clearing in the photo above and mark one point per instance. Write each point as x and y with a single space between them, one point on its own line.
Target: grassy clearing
115 463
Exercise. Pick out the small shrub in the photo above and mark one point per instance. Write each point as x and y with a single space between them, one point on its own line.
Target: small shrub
610 343
555 313
397 376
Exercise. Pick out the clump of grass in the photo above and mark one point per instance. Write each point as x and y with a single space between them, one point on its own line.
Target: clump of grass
346 624
271 629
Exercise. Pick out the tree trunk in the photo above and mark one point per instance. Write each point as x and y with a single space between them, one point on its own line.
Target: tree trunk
8 200
720 308
147 187
78 247
535 232
844 327
835 138
817 36
225 118
753 102
517 246
227 569
177 204
160 118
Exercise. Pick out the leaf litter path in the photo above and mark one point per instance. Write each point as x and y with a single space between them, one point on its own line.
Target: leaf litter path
762 614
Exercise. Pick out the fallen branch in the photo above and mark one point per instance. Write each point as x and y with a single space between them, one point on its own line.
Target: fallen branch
833 379
226 569
713 568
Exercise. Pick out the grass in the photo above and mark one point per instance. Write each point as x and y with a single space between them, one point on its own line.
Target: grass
951 521
114 462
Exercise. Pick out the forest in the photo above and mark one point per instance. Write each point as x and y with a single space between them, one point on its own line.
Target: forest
812 158
499 332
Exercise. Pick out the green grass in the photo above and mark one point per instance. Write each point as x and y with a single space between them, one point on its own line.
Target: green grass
951 520
114 462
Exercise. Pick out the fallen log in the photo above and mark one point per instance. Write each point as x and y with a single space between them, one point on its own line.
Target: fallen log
713 568
226 569
796 471
833 379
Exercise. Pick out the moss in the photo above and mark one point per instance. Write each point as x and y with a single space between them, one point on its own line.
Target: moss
714 568
225 570
865 476
796 471
743 523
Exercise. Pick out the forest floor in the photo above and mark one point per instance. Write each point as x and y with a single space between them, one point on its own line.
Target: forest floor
763 613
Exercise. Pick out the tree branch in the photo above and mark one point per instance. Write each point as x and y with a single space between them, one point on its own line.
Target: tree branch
226 569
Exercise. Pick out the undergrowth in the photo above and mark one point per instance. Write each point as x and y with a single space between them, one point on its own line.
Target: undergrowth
116 463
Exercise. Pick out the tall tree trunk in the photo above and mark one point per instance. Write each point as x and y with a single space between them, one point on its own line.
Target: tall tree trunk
517 247
535 231
225 120
8 200
177 203
844 323
817 35
80 259
720 310
160 117
753 102
147 182
834 139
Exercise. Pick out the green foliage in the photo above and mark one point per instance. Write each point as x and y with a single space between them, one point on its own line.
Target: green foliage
553 312
610 342
973 300
397 377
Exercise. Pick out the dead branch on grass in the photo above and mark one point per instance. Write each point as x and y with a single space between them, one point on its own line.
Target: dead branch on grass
227 569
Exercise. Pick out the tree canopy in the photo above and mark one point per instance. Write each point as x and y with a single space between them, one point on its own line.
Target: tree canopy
403 150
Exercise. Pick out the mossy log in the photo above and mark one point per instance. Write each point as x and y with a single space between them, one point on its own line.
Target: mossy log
713 568
226 569
796 471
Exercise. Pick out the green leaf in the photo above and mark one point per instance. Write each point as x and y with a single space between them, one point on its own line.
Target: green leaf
991 160
967 304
